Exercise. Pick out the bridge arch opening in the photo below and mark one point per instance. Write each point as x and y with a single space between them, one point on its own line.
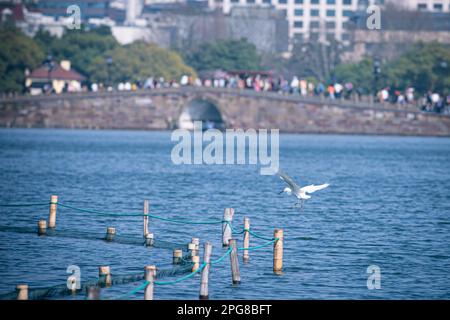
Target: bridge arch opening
201 110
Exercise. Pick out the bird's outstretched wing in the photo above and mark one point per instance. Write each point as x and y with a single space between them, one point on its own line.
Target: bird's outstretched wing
288 180
313 188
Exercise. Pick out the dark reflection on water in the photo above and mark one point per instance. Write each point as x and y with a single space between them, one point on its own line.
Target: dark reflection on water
389 205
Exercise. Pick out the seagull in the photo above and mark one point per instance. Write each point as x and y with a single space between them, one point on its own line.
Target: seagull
300 193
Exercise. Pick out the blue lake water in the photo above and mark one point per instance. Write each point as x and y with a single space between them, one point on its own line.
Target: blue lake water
388 205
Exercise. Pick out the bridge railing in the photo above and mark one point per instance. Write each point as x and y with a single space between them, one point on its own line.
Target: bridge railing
365 101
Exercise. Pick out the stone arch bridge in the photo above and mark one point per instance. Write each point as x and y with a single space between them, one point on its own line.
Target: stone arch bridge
162 109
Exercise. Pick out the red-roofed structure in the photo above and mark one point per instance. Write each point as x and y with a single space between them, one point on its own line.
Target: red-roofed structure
60 78
57 73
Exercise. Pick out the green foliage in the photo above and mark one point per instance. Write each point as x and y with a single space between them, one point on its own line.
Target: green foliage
425 67
88 52
360 74
138 61
17 53
82 48
225 55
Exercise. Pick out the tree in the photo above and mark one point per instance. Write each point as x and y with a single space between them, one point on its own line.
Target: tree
425 67
137 62
83 48
314 59
360 74
225 55
17 54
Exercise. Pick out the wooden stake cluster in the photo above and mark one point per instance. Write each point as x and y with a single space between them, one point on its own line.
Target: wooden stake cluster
150 275
93 292
204 294
226 226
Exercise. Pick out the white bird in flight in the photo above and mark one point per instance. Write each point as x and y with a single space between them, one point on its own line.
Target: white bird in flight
300 193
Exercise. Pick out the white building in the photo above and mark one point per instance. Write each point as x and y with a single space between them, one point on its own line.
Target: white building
308 19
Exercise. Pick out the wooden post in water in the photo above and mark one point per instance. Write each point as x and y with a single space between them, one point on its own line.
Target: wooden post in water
150 274
52 213
234 260
42 227
149 241
204 294
196 241
104 274
196 263
246 255
110 233
93 293
177 256
146 211
226 226
22 292
278 251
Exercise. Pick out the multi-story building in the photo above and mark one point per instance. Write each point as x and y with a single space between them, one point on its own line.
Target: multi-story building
314 20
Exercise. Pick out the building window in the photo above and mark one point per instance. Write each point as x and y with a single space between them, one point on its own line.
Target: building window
314 36
314 13
331 25
331 1
315 1
298 1
438 7
298 38
422 6
347 2
345 37
266 1
314 25
331 13
282 1
298 24
250 1
298 12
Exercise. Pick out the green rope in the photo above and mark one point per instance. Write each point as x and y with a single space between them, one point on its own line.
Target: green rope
260 246
145 283
138 214
258 236
182 278
222 257
184 221
134 291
